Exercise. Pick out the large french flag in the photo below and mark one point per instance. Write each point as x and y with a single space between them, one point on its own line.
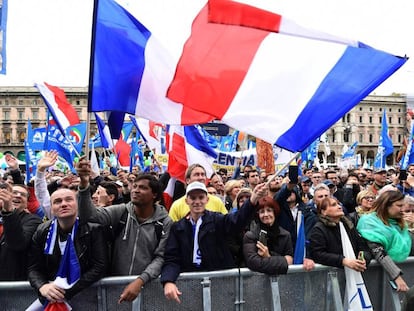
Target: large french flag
62 111
256 70
186 146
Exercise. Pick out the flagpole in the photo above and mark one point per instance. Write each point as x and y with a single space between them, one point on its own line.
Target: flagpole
297 154
91 70
87 137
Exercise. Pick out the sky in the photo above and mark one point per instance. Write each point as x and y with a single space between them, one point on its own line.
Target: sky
49 40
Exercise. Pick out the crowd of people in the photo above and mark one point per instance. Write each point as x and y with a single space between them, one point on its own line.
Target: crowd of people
116 223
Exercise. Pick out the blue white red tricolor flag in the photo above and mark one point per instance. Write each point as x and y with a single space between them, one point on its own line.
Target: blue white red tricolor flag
62 111
199 73
185 146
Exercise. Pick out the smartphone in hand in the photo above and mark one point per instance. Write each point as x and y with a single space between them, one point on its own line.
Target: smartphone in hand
293 174
263 237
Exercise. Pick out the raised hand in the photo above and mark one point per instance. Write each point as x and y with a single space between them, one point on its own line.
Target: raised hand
83 170
49 159
11 162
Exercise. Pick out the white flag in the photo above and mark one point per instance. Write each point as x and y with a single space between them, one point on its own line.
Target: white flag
357 298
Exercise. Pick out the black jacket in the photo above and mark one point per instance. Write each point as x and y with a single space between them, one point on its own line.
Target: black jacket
91 249
212 241
326 244
15 243
279 244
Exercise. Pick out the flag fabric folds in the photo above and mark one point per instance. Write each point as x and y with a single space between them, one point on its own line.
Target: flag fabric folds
62 111
204 75
229 143
332 74
133 76
68 146
31 160
149 132
185 146
409 152
300 240
351 151
104 133
385 146
356 295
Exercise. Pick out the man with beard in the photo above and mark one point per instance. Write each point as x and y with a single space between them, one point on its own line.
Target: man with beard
140 229
274 185
18 226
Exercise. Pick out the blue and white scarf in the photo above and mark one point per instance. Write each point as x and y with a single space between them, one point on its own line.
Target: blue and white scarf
69 268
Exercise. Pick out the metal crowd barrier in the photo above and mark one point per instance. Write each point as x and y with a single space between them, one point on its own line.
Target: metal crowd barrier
234 289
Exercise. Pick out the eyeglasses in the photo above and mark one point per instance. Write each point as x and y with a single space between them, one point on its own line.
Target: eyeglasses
369 198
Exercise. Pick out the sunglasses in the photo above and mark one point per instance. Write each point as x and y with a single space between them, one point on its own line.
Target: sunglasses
369 198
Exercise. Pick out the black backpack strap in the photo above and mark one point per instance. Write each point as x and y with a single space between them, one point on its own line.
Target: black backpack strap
159 229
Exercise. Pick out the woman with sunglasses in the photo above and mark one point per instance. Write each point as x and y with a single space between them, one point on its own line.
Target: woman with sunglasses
365 200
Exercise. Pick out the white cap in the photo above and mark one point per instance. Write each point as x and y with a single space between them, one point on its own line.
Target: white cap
196 185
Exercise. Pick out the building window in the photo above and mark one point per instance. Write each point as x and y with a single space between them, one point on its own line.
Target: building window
390 110
20 114
35 114
360 119
20 103
370 119
399 120
7 137
380 120
346 137
370 138
348 118
389 120
360 108
78 102
399 109
399 138
22 137
34 102
6 102
361 138
6 115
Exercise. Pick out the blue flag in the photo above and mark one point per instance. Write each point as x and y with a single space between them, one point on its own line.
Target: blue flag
31 160
300 241
66 146
385 146
409 153
229 143
210 139
351 151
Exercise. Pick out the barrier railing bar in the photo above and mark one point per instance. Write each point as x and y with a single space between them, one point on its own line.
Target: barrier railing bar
239 299
206 294
274 286
334 291
101 292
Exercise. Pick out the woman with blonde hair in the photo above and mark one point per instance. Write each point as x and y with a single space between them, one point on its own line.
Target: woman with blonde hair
365 200
231 189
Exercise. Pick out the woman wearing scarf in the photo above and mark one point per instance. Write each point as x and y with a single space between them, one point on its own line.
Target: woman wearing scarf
387 234
267 247
365 200
326 238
